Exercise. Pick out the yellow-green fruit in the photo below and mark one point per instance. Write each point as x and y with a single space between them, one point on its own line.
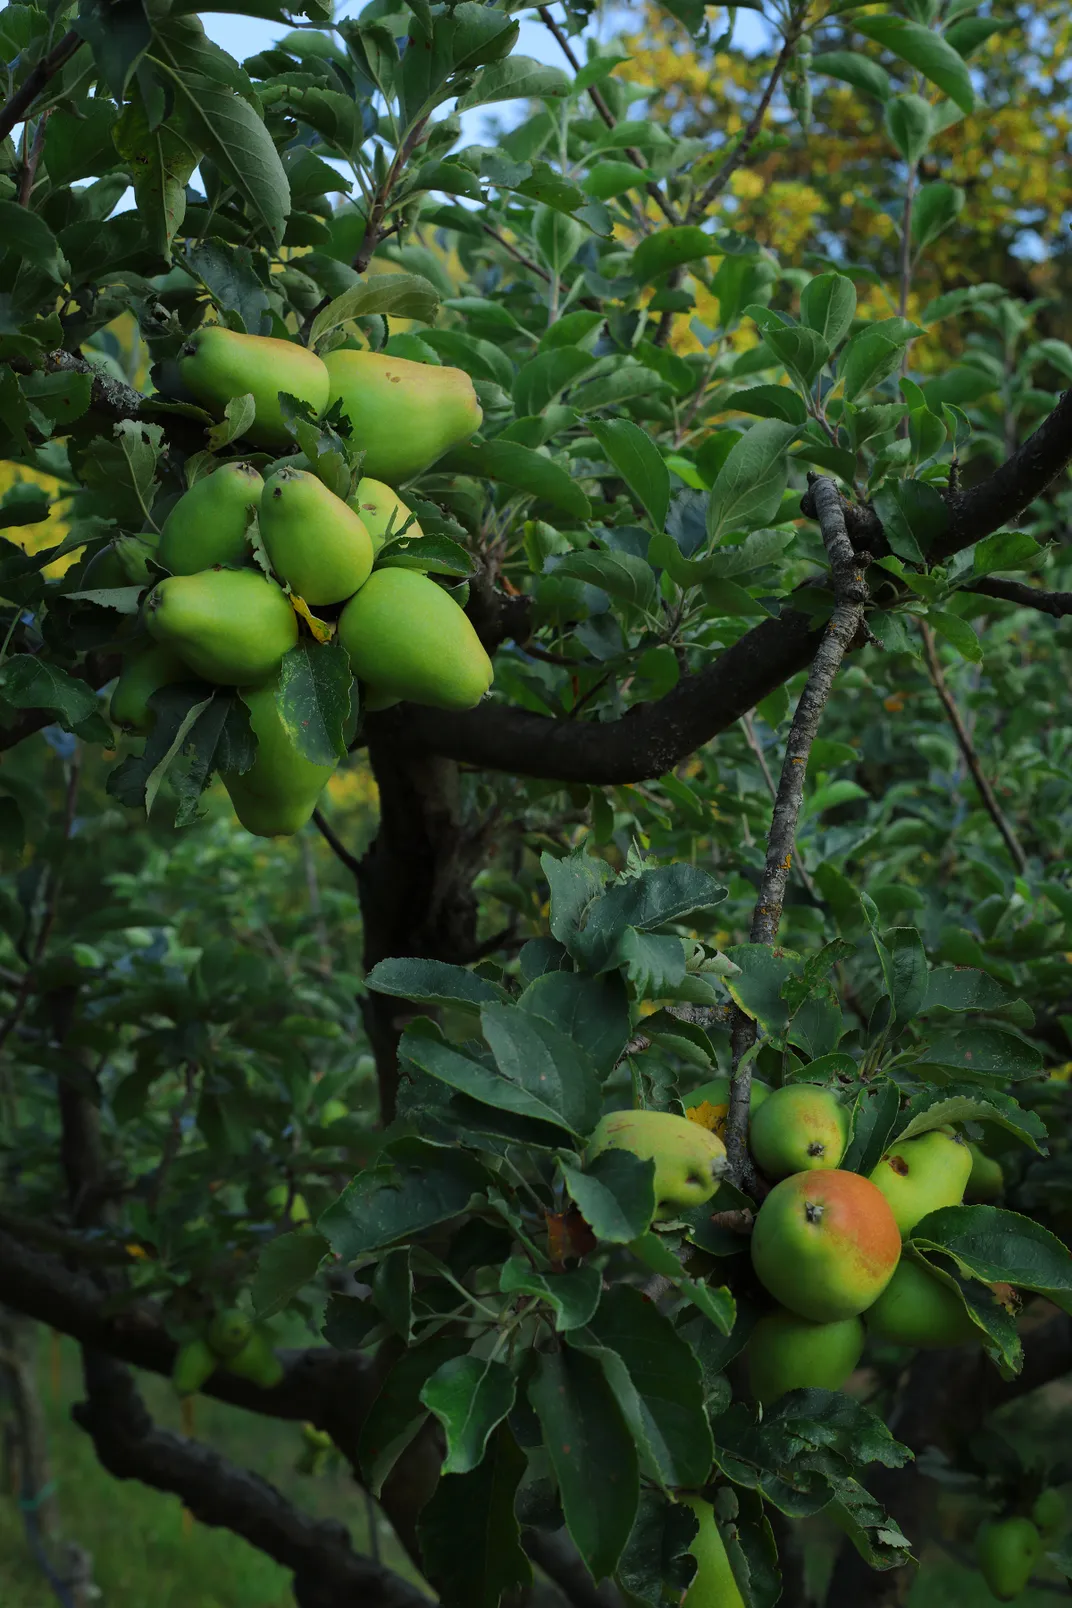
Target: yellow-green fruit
231 626
404 415
713 1585
278 794
825 1244
787 1352
257 1362
316 543
1007 1550
207 525
986 1181
799 1128
195 1362
218 364
917 1309
715 1095
408 638
1050 1514
276 1202
228 1332
918 1176
145 672
689 1160
383 512
332 1111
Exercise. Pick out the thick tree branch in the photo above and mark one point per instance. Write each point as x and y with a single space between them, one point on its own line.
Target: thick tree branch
335 843
15 110
850 599
327 1571
967 749
1058 604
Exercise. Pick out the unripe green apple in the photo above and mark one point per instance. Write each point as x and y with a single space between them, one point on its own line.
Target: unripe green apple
278 794
315 541
1050 1514
276 1203
825 1244
228 1332
713 1585
986 1181
787 1352
230 626
800 1128
407 638
917 1309
715 1097
332 1111
918 1176
257 1362
383 512
144 672
218 364
404 414
194 1363
1007 1551
689 1161
208 524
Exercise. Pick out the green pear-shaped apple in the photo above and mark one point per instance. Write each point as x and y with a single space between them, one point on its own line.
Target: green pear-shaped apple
918 1176
800 1128
689 1160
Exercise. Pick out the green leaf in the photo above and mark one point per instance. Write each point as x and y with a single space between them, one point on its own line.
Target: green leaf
469 1537
960 988
398 1412
828 306
771 402
984 1052
991 1244
852 68
421 1045
615 1195
1005 550
657 1556
907 973
26 237
394 295
30 682
924 49
533 1055
748 488
639 462
546 376
934 1108
660 894
913 515
573 1296
433 982
670 1427
910 123
874 1113
800 350
873 353
284 1267
313 699
230 131
470 1396
521 468
718 1305
622 576
936 207
426 1185
670 248
958 633
516 78
757 988
591 1451
594 1011
606 180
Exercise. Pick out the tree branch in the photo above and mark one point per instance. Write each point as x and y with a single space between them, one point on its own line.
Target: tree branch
1058 604
335 843
967 748
740 151
374 230
327 1571
850 599
15 110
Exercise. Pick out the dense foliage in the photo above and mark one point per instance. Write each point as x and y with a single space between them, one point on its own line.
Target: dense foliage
733 427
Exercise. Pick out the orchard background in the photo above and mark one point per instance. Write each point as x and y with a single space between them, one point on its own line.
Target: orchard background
767 312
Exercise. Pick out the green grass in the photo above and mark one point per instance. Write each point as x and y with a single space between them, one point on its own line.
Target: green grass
146 1553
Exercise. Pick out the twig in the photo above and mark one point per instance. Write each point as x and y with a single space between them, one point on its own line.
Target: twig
16 108
335 843
1057 604
751 133
374 230
757 749
595 95
33 157
518 256
967 748
850 598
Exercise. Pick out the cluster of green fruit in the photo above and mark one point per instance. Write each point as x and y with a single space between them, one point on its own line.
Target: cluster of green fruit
230 1342
826 1243
1008 1549
219 619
